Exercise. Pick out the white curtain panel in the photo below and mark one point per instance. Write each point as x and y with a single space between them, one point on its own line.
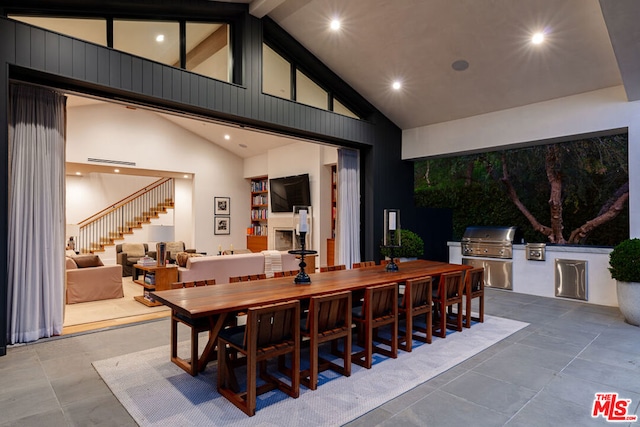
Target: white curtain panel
36 213
348 208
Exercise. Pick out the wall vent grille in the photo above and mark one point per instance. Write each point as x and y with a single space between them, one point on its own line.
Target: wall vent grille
111 162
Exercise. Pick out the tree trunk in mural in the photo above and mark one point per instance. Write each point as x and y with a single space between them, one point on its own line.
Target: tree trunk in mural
554 232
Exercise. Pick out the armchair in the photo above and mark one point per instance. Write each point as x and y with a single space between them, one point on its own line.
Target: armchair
127 254
173 249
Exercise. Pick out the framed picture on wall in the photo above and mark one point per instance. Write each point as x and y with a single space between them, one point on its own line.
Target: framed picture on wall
222 205
222 225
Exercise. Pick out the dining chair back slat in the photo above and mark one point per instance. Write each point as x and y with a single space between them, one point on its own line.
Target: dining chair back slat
332 268
449 294
416 301
474 288
195 325
271 331
380 308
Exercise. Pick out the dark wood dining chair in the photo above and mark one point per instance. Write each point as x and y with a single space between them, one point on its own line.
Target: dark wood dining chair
448 294
332 268
196 325
416 301
363 264
247 278
288 273
380 308
473 288
328 320
271 331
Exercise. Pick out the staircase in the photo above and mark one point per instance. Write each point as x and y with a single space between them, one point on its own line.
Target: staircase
111 224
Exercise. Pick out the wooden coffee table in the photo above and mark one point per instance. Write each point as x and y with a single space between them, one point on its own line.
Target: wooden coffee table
164 277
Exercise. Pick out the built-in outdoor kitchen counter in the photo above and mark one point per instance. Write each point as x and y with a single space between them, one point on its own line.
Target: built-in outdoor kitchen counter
563 270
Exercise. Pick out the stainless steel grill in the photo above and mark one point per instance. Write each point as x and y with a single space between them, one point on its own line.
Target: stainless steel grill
491 242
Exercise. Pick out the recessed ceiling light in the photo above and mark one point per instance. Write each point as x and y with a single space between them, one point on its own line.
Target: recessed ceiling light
537 38
227 137
116 170
160 38
460 65
78 173
335 25
185 176
396 85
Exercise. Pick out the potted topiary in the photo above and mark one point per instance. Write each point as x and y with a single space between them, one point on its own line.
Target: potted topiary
412 246
625 270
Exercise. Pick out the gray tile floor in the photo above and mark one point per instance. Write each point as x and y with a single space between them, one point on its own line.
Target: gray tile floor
544 375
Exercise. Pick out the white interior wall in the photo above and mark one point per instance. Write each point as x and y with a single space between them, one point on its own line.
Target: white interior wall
109 131
587 113
88 194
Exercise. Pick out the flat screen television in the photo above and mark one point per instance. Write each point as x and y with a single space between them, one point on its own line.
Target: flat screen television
288 192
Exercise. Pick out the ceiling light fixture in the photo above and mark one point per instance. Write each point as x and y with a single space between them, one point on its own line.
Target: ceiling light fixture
160 38
78 173
227 137
537 38
396 85
116 170
335 25
185 176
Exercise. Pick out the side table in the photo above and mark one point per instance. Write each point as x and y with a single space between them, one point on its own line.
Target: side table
163 277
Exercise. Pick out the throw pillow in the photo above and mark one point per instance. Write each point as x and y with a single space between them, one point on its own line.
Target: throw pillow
133 249
84 261
182 257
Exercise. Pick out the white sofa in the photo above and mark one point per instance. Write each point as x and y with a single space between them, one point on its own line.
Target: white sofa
222 267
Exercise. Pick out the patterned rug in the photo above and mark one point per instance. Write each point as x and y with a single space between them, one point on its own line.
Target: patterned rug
158 393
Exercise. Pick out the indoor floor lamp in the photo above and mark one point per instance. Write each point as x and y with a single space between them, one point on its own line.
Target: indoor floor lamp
161 234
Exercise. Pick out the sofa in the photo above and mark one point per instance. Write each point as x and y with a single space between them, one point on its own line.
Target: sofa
88 279
222 267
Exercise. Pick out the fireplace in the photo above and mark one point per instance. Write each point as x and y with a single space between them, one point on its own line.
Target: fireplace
283 239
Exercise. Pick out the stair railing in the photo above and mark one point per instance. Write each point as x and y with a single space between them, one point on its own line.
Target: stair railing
111 223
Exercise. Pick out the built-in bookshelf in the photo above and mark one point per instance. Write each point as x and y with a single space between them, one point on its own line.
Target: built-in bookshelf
258 231
331 242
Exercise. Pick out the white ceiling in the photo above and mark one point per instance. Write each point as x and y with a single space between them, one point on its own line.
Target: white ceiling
416 42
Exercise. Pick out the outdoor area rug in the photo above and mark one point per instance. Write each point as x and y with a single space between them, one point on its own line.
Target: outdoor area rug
158 393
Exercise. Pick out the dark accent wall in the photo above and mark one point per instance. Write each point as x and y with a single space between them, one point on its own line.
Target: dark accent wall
38 56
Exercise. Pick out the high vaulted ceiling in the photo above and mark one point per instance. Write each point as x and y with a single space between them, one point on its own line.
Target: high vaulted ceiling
589 45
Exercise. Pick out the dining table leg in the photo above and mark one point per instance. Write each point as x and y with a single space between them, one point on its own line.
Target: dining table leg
217 322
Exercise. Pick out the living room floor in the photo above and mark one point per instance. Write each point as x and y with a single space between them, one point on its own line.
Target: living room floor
546 374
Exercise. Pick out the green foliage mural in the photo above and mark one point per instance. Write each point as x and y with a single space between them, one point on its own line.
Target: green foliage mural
567 193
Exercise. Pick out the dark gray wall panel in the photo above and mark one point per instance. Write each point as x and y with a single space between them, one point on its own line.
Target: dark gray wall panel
103 67
137 74
147 78
114 69
52 47
176 85
91 63
167 83
157 81
79 60
23 45
7 56
65 53
36 45
126 81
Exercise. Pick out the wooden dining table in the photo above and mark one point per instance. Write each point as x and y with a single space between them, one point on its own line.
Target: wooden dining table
218 301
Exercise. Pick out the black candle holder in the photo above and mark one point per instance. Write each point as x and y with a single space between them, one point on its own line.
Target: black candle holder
302 278
391 266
